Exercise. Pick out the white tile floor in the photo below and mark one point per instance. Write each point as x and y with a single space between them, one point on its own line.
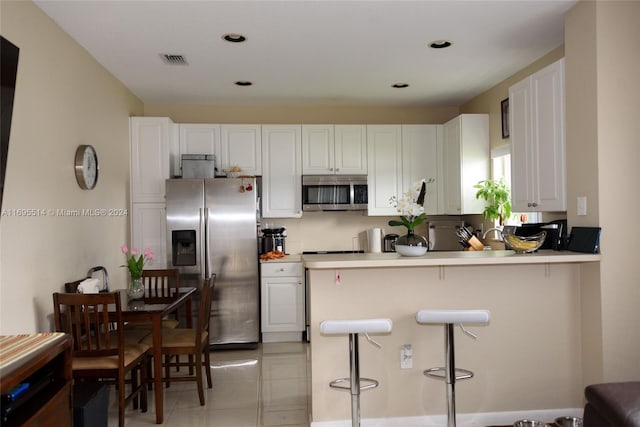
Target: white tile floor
265 387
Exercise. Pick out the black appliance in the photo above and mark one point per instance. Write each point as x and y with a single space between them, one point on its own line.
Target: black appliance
272 239
556 233
389 242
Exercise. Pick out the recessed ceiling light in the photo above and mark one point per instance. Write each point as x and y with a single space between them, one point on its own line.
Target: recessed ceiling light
243 83
234 38
400 85
440 44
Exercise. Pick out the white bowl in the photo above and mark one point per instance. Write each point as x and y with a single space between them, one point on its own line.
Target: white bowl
411 250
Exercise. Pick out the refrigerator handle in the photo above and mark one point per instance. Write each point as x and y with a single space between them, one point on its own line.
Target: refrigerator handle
207 248
203 239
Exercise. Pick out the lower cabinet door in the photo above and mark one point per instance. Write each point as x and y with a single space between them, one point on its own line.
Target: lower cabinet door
282 304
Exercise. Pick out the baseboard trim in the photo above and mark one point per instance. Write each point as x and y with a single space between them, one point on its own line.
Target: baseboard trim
463 420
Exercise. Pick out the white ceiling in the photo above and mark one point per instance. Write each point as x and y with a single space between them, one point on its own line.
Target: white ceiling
322 52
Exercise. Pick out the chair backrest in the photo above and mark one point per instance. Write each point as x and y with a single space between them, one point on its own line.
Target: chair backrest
159 283
86 318
204 309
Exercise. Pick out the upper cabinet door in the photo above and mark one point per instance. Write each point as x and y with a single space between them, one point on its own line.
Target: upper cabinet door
318 147
350 149
241 146
421 155
466 154
200 139
538 162
150 142
282 166
384 154
334 149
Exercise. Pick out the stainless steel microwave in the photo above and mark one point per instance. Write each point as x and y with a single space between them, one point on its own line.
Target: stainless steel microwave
334 192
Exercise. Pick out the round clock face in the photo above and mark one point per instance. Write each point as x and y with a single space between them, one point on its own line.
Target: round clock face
86 166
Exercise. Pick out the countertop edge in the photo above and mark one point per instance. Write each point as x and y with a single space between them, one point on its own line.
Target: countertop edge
431 259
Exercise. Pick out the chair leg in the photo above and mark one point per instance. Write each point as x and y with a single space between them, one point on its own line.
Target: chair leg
134 387
198 368
143 388
207 362
121 400
167 371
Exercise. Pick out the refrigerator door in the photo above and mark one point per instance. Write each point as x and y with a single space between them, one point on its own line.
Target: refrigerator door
185 227
232 248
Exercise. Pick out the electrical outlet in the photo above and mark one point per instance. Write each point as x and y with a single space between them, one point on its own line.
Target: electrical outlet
406 357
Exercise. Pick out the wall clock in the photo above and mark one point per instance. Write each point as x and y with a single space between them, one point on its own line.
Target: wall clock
86 167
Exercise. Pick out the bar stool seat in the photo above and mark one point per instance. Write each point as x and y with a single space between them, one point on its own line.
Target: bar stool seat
449 373
353 383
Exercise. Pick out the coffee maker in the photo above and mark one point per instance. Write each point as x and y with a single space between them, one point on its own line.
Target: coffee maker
389 242
272 239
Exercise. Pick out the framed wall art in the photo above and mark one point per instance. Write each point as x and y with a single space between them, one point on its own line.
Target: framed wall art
504 108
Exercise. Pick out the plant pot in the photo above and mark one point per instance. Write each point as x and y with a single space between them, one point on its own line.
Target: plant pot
411 244
136 289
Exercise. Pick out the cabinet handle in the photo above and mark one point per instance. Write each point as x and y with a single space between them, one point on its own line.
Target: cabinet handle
534 204
281 269
330 169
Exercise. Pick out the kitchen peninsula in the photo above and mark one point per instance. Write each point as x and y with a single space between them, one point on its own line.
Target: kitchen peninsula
527 358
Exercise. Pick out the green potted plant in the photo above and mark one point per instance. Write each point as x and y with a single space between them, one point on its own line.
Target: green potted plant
497 195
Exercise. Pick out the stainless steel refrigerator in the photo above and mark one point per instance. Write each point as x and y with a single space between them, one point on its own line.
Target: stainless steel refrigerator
212 227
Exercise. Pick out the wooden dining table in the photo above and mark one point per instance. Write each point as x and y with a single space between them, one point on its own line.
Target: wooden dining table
152 309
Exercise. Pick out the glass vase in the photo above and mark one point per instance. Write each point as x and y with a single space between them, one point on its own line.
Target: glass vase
412 244
136 289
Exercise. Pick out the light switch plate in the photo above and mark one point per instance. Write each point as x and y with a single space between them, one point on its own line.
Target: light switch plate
582 206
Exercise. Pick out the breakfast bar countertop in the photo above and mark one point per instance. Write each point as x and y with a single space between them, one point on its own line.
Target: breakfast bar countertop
445 258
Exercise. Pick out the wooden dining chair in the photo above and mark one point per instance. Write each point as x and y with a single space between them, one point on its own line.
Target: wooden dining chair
103 354
160 284
193 342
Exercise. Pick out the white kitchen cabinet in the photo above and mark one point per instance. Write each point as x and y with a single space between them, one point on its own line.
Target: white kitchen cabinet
334 149
282 171
149 230
537 132
421 155
151 141
196 138
282 301
241 146
384 158
466 162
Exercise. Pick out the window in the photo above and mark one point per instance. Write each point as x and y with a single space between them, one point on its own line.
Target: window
501 169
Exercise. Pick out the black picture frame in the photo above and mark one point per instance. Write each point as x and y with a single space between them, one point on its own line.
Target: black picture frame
504 110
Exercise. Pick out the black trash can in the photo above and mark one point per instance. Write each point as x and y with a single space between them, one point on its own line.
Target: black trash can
90 404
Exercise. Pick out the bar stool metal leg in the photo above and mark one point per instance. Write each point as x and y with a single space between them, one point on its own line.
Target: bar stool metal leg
449 373
354 373
356 384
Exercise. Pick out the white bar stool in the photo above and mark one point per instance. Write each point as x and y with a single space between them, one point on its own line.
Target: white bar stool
449 373
353 328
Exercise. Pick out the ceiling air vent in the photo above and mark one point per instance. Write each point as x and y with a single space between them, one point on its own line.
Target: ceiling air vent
170 59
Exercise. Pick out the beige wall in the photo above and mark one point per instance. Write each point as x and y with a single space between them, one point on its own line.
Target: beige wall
63 98
603 65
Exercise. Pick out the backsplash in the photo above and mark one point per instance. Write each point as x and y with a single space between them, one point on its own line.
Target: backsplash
334 231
